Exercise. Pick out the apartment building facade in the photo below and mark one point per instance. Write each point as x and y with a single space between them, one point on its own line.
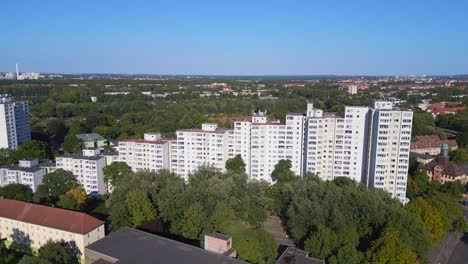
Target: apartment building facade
367 144
32 225
148 154
335 146
14 122
87 168
27 172
194 148
389 148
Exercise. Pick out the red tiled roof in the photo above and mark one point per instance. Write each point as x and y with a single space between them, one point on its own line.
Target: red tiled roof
443 107
433 141
62 219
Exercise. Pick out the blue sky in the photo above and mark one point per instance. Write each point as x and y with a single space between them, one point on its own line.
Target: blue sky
236 37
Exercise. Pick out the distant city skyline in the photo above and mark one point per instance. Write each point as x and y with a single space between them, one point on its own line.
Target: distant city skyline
236 38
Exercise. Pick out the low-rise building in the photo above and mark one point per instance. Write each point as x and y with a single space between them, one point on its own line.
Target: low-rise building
128 245
293 255
32 225
92 140
431 144
88 169
27 172
443 170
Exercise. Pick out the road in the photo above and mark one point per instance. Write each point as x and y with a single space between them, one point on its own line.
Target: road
460 254
453 248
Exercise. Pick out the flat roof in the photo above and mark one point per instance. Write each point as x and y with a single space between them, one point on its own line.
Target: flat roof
219 236
90 137
297 256
79 156
18 168
130 245
58 218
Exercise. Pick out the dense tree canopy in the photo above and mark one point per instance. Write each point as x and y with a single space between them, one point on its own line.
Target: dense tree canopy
74 199
34 149
210 201
56 252
55 184
236 164
338 221
115 172
17 191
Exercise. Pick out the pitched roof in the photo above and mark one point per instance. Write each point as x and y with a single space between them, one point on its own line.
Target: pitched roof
448 168
432 141
62 219
130 245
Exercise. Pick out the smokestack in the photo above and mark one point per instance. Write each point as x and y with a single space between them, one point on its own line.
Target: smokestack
17 72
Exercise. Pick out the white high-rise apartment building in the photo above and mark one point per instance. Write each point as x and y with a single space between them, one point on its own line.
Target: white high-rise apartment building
336 146
263 142
148 154
87 168
367 144
14 122
352 89
27 172
389 148
194 148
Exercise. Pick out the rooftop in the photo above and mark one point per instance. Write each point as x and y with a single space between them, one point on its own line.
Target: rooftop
129 245
219 236
432 141
159 141
90 137
297 256
18 168
62 219
448 167
79 156
217 131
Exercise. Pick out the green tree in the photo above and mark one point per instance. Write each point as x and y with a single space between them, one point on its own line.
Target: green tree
42 195
119 217
6 256
7 157
423 123
236 164
34 149
74 199
56 252
115 172
418 184
58 183
17 191
252 245
72 144
222 216
194 222
282 172
389 248
434 221
459 155
140 208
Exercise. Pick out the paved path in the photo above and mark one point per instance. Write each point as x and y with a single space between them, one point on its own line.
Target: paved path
460 254
274 226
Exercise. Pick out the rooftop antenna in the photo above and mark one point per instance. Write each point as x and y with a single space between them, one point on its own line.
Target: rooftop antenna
17 72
